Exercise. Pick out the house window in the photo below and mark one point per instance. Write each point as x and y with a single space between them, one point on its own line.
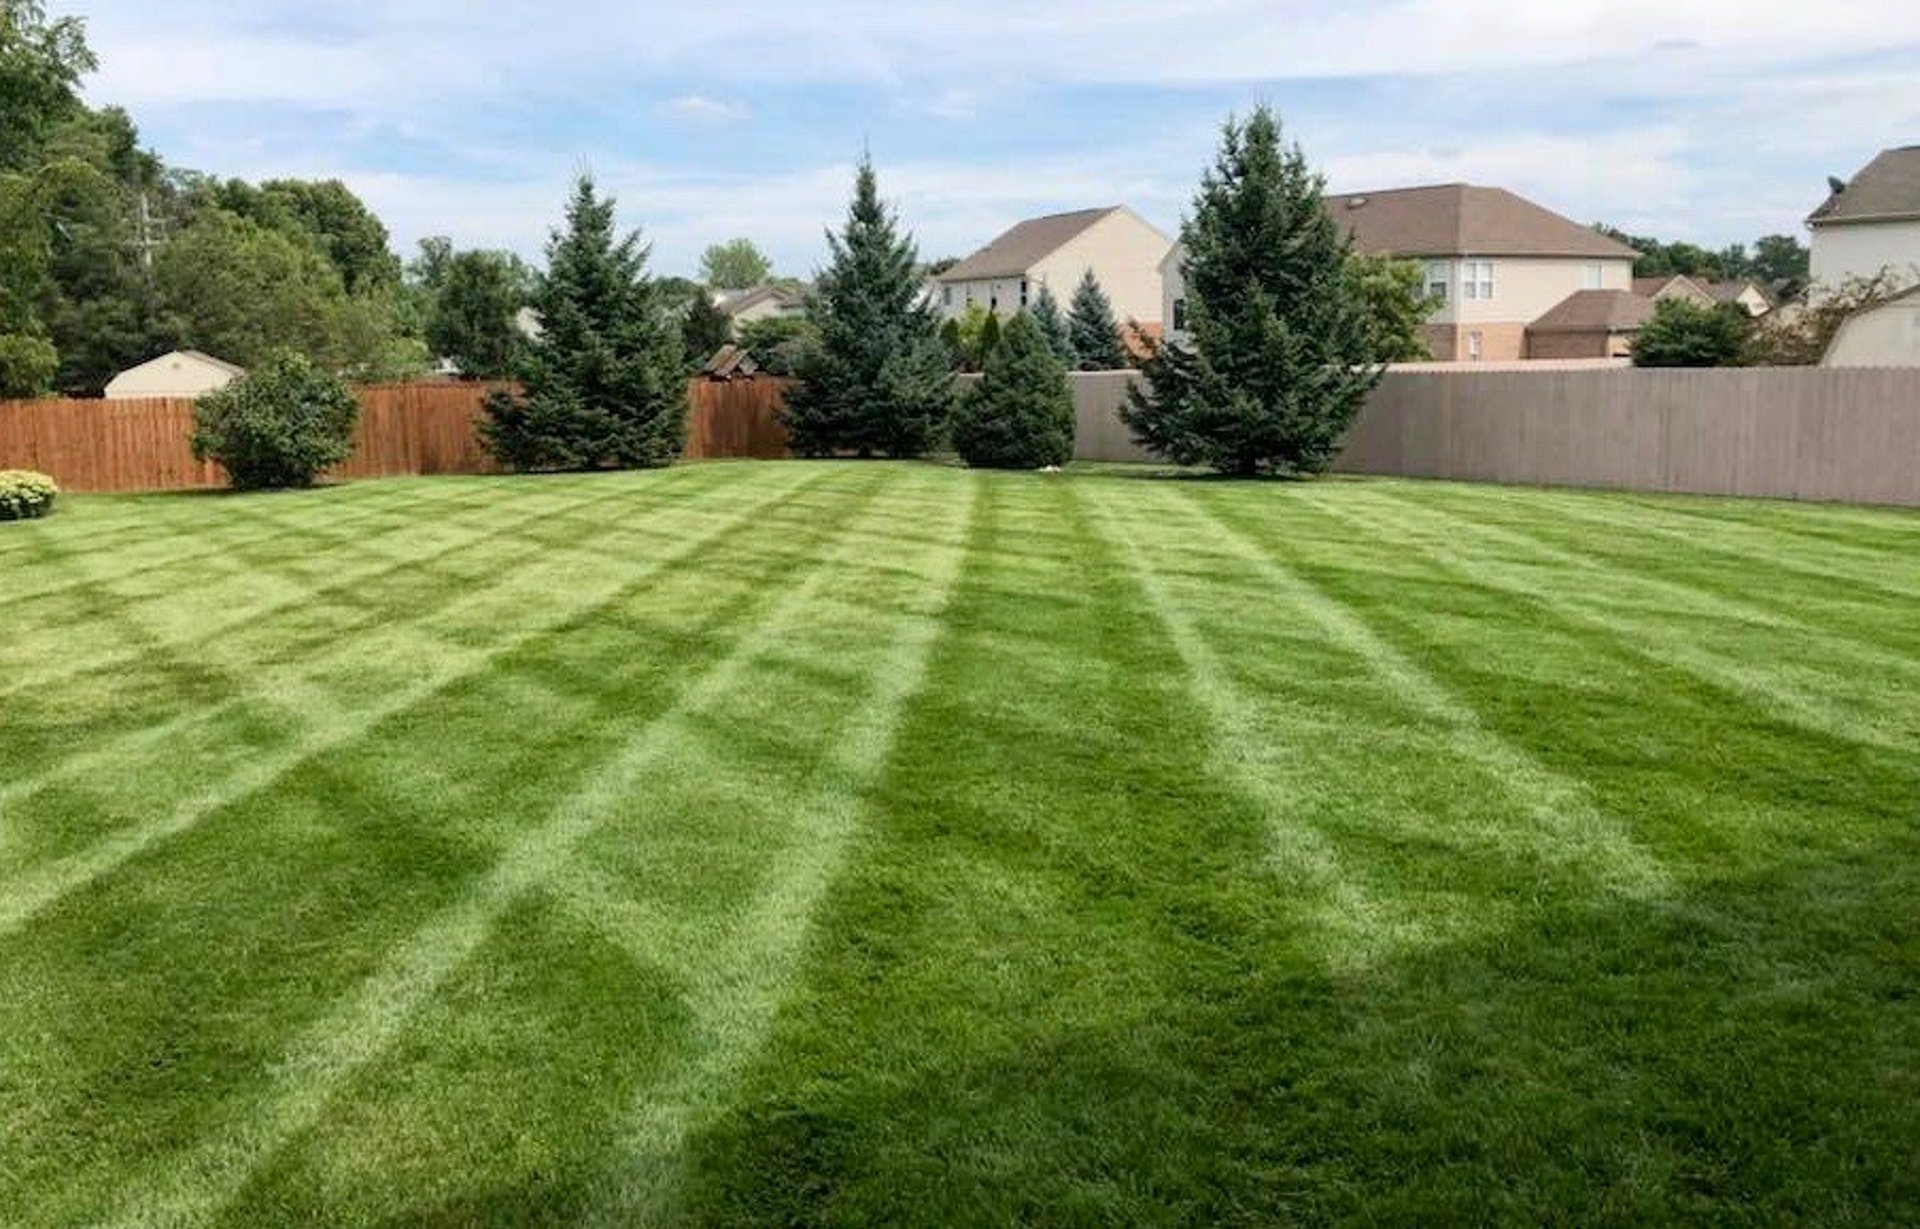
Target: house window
1180 316
946 296
969 296
1439 280
1596 276
1023 294
1474 346
1479 283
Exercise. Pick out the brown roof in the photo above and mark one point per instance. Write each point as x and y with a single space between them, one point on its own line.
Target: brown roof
1728 292
1026 245
1464 220
1653 287
1886 189
1596 311
783 297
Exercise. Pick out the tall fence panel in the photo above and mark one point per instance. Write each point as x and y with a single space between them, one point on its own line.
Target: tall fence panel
736 418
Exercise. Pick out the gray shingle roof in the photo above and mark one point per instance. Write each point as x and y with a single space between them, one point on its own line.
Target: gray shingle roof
1026 245
1886 188
1464 220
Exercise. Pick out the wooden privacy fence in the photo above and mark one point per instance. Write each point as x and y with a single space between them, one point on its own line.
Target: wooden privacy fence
141 445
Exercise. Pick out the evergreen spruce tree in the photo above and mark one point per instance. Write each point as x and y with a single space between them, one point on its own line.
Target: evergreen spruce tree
704 329
1282 353
1053 326
603 385
990 333
880 380
1092 329
1020 414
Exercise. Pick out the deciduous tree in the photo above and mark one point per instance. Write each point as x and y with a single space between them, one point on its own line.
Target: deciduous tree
736 264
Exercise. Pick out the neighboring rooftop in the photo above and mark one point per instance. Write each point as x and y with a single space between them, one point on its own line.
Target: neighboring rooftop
1886 189
1464 220
1596 311
1026 245
786 298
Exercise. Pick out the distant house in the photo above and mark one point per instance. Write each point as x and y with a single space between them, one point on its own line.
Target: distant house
1745 292
1122 250
1589 324
744 307
1495 261
1885 335
183 373
1674 286
1870 224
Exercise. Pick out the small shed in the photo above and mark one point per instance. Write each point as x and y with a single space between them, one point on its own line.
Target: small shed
730 362
1884 335
183 373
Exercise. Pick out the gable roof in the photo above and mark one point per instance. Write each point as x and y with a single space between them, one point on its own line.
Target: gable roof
1653 287
1596 311
783 297
1730 291
1026 245
1464 220
1886 189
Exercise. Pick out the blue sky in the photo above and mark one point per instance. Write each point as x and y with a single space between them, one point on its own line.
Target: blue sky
1710 120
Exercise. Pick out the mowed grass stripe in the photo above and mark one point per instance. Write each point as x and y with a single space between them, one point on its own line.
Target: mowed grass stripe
1872 638
39 887
371 559
208 548
1275 776
1777 687
294 682
292 895
744 971
1664 537
194 1189
1570 826
296 688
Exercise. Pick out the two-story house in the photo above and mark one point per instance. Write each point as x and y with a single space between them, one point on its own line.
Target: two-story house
1122 249
1494 262
1870 224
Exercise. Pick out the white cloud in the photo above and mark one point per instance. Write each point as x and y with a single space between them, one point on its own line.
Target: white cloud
700 109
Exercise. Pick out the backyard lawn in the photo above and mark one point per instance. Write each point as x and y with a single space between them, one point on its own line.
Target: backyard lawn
799 843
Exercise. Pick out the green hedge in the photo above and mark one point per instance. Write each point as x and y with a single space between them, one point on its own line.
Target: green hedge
25 494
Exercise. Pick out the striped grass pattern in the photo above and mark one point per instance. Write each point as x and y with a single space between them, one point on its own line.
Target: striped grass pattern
813 843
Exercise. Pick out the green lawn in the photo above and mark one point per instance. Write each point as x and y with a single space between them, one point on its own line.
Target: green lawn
871 844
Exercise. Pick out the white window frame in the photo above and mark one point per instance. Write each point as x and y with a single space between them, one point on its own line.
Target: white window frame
1439 278
1476 346
946 296
1479 281
1596 276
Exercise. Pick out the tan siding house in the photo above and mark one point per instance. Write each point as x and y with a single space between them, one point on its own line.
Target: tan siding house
1496 261
1871 225
1122 249
1887 335
183 373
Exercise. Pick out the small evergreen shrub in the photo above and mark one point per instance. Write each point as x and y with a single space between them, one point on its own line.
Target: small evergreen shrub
25 495
1020 414
279 425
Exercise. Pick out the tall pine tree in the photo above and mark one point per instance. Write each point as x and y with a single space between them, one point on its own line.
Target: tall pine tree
1282 354
879 381
1092 329
603 385
704 329
1053 326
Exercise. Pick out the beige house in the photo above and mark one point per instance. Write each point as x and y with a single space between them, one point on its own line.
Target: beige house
183 373
1495 262
1674 286
1886 335
1871 224
744 307
1122 249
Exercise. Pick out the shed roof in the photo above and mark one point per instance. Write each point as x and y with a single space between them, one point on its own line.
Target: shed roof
1595 311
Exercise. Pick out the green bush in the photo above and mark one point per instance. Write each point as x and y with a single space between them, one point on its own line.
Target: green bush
1020 414
278 426
25 494
1683 334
